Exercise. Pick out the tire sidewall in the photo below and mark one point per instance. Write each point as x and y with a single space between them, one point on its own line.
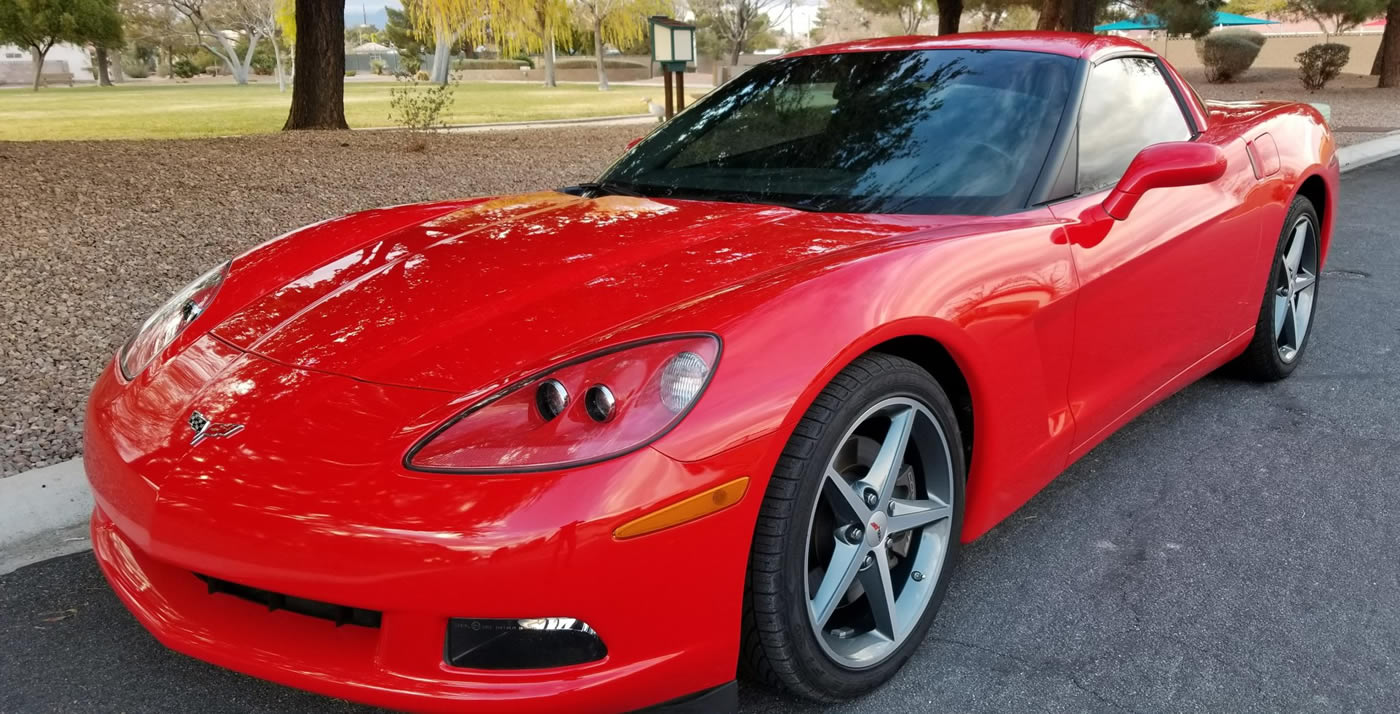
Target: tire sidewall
842 681
1301 207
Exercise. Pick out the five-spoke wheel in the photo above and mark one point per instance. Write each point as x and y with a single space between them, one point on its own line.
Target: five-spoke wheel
1290 298
1297 281
878 534
858 533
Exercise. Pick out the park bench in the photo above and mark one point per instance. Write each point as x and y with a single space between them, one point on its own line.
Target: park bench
49 78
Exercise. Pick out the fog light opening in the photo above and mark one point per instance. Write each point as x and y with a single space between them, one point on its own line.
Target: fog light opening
524 643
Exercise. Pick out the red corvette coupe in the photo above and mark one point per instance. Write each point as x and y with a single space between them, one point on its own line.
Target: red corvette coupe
732 407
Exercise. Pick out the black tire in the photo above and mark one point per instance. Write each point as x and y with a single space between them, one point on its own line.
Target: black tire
779 646
1261 360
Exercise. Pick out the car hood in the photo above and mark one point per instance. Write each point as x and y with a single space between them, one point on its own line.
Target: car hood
474 293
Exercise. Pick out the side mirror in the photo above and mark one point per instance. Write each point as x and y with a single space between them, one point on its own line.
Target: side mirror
633 143
1175 163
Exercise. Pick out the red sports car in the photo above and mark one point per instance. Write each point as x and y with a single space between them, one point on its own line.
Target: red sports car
733 406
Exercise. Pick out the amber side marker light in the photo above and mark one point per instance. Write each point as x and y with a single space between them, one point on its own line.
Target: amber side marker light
701 504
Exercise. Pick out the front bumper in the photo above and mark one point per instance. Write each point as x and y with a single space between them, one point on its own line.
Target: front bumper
385 666
420 549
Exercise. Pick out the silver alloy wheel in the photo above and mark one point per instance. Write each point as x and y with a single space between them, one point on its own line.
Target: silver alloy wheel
1293 295
879 532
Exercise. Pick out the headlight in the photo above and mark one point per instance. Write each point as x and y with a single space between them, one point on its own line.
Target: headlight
161 328
583 411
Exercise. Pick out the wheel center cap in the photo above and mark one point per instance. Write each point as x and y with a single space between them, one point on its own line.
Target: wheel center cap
875 533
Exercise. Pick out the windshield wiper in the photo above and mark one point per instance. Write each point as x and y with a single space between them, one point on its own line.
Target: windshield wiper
743 197
595 189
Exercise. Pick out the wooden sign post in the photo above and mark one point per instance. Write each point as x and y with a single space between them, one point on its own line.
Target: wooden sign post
673 46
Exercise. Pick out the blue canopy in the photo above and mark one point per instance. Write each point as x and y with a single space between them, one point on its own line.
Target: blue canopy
1151 22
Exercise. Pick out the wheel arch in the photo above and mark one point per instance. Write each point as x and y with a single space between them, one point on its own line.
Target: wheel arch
937 346
934 358
1314 188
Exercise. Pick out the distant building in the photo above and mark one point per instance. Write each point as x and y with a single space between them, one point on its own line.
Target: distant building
17 68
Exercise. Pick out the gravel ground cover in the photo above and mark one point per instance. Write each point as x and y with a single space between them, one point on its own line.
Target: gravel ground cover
1360 111
95 235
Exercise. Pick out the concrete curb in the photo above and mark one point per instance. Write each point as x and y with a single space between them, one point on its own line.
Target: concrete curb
42 512
1369 152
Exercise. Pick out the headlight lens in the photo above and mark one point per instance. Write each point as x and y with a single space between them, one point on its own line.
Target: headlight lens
162 327
583 411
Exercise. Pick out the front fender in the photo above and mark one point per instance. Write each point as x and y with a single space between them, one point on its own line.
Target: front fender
1000 302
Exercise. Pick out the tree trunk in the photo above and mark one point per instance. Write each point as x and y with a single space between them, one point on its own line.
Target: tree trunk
281 78
549 76
1390 43
229 55
103 79
1049 15
949 16
442 55
735 51
1081 15
37 58
318 94
598 54
1380 52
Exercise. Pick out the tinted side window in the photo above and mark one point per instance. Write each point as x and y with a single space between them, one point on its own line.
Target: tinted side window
1127 107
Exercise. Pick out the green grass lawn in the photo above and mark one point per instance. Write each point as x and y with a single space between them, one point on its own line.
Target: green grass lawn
172 111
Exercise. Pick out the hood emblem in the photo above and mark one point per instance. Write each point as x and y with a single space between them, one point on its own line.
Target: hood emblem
203 428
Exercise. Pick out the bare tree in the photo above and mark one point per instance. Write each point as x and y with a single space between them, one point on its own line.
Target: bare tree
217 24
736 21
911 13
615 22
261 16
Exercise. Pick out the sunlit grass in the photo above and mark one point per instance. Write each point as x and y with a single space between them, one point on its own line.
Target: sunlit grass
171 111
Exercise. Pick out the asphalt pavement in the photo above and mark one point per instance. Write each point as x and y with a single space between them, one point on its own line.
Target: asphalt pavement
1234 549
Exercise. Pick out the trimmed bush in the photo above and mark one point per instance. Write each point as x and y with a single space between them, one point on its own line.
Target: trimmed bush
1226 55
377 65
183 68
409 63
135 68
349 73
590 63
1320 64
1257 38
527 59
263 64
422 75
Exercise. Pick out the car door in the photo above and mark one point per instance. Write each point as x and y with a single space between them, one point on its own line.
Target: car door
1149 304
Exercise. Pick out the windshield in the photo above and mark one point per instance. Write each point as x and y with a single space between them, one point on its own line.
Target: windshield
929 131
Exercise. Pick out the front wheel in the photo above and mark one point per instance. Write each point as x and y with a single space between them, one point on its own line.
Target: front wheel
858 533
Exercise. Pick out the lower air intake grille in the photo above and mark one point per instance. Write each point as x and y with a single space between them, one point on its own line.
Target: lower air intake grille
339 614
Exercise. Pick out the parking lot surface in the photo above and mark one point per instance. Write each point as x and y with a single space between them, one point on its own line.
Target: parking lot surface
1234 549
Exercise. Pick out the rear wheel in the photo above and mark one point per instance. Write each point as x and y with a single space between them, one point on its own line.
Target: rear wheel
858 533
1290 300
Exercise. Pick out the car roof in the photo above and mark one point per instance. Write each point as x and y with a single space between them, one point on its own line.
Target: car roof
1068 44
